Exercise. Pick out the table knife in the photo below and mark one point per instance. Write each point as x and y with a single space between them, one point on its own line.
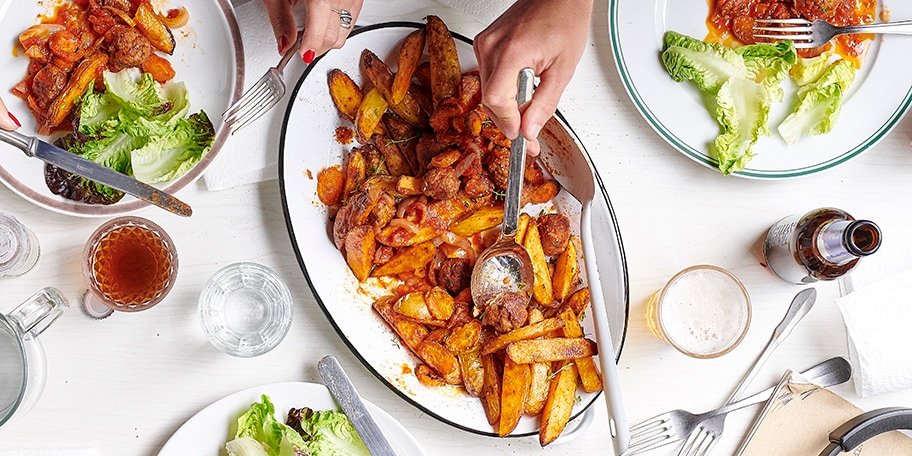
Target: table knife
34 147
344 391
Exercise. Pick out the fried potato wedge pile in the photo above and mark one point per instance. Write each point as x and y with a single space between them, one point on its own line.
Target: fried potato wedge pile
418 198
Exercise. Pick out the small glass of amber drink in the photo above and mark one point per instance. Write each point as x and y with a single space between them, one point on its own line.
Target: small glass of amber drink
129 264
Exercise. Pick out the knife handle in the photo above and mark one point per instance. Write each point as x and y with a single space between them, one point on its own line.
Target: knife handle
17 140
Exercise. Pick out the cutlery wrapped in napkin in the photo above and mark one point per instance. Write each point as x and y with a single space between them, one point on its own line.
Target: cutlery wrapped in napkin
875 305
799 417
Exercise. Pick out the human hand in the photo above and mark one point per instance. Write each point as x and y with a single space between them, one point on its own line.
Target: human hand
7 120
547 36
322 28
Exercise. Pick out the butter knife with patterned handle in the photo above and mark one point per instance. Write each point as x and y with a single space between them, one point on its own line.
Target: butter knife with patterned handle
344 391
34 147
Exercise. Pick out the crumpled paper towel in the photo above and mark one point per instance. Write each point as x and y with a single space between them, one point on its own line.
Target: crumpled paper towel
484 11
877 311
60 452
251 155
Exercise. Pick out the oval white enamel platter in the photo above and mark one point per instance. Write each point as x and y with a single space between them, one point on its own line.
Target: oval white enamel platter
308 145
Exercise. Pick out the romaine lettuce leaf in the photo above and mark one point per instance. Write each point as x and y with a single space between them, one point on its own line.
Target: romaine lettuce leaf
819 103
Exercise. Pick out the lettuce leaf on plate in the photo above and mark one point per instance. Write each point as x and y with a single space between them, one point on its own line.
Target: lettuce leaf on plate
819 103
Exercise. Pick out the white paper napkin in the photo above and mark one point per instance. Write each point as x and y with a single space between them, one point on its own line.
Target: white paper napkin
60 452
251 155
878 317
484 11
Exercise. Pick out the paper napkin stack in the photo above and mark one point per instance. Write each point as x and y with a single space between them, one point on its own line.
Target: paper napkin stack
877 309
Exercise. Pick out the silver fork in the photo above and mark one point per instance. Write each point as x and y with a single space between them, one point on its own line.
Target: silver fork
262 96
702 440
676 425
807 34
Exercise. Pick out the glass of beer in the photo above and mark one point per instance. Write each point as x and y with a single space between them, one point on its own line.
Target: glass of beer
703 311
129 264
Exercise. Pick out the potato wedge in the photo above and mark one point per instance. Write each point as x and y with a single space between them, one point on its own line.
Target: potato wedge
382 78
553 349
566 273
559 405
395 160
428 377
472 372
531 331
579 300
514 389
153 28
355 172
491 389
589 374
79 81
412 305
484 218
441 360
446 72
439 303
465 337
368 115
521 227
539 194
360 246
345 93
409 185
542 289
411 259
409 58
330 184
538 388
409 332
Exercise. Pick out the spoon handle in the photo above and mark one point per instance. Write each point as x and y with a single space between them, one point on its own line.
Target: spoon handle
800 306
517 159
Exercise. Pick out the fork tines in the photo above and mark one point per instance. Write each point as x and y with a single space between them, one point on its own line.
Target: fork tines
795 29
253 104
649 434
699 443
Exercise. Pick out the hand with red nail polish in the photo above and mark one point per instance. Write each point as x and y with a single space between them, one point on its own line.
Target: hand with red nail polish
513 42
7 120
323 29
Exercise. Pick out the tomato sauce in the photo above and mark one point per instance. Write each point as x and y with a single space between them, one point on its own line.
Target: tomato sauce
730 22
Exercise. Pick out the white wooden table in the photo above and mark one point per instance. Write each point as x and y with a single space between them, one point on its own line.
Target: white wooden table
125 384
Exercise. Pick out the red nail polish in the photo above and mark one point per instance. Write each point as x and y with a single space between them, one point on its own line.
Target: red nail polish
283 43
309 56
14 119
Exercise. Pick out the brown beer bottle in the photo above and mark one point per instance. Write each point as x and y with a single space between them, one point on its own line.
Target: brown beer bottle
823 244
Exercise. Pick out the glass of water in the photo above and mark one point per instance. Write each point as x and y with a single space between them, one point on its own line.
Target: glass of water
245 309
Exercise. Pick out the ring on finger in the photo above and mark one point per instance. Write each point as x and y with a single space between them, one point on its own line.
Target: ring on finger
345 17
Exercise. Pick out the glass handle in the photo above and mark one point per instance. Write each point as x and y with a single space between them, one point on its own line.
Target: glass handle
40 310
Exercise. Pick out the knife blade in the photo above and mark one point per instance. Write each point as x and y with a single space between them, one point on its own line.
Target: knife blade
34 147
341 387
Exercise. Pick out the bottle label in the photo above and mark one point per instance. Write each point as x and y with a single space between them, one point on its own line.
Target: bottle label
779 252
830 243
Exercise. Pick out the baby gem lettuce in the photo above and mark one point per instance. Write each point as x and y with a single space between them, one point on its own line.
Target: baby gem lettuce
141 128
740 85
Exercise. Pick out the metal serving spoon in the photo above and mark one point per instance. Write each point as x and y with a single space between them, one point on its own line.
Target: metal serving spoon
505 266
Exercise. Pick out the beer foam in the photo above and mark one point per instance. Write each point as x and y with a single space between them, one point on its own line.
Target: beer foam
704 311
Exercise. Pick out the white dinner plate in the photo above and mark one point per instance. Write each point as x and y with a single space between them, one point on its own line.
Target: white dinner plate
205 433
875 103
208 58
308 146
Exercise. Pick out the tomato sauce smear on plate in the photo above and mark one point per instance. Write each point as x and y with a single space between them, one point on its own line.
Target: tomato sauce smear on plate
731 22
